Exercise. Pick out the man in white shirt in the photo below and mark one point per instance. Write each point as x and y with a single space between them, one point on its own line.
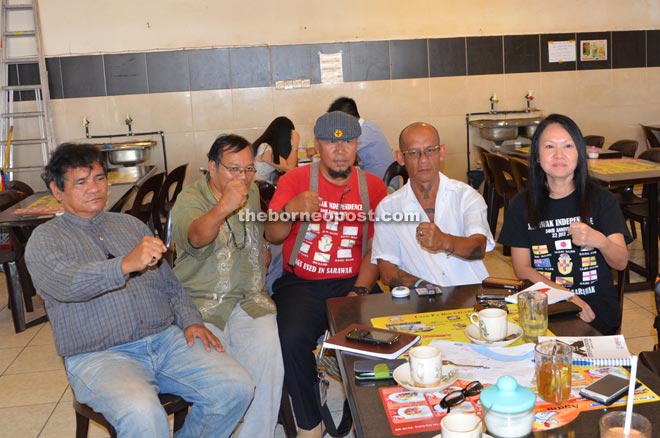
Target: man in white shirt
446 246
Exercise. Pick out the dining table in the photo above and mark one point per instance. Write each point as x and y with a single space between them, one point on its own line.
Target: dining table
369 416
23 217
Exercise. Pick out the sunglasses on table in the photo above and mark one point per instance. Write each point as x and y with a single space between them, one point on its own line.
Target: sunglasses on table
457 397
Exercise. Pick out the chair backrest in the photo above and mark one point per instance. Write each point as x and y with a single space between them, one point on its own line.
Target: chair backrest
142 204
652 139
21 187
520 172
652 154
501 173
167 195
594 140
394 170
266 192
628 148
488 174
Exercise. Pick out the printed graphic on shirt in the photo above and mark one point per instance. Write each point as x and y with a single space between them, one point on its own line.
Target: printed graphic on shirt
347 243
350 231
325 243
564 281
540 249
590 276
565 264
563 244
321 257
332 226
315 227
546 274
344 253
304 248
309 235
588 261
542 263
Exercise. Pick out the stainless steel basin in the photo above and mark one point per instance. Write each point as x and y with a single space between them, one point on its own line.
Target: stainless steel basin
126 153
127 156
501 130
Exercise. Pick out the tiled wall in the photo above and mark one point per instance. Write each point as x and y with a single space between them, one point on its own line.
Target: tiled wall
247 67
195 94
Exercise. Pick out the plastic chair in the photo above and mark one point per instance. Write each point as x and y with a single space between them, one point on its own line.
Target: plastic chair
639 210
652 140
173 404
628 148
19 285
394 170
489 193
503 184
21 187
520 172
594 140
266 192
142 204
167 195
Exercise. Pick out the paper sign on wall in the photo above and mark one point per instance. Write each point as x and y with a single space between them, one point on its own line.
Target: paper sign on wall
332 70
593 50
561 51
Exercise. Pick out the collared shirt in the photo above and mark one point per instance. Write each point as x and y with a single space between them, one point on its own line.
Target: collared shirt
219 276
373 149
459 210
75 265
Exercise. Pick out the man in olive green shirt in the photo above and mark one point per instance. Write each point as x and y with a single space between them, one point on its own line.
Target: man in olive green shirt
220 263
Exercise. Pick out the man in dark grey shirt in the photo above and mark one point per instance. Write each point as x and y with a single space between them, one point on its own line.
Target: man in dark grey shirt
124 325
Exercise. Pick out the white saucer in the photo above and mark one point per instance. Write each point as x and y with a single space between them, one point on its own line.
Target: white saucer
483 435
472 332
402 376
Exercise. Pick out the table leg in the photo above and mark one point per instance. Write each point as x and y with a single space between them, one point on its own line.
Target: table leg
15 291
652 233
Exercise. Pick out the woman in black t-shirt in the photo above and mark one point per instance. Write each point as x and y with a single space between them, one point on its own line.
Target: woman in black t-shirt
565 229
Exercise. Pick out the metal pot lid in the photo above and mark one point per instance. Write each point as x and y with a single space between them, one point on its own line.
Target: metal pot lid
127 144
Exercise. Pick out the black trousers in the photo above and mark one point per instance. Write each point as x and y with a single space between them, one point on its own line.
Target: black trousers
301 320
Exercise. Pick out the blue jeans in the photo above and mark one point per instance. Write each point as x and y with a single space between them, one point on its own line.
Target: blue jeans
122 383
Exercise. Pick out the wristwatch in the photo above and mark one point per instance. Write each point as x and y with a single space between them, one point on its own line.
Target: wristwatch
360 290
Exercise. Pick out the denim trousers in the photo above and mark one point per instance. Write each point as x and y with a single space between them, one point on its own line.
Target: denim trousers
123 383
254 343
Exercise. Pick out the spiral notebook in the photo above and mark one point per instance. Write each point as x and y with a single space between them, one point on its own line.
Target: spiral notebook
596 350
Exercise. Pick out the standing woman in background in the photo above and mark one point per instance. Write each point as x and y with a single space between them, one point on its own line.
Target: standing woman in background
566 229
276 149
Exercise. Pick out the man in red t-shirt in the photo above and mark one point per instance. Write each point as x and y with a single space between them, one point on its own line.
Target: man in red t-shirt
331 257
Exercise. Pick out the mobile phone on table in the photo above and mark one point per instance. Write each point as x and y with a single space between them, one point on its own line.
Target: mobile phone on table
372 336
606 390
486 293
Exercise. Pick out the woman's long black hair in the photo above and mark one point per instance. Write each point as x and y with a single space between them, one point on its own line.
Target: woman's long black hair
278 136
538 191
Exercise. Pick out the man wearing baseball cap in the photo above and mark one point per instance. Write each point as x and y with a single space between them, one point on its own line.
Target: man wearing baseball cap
326 234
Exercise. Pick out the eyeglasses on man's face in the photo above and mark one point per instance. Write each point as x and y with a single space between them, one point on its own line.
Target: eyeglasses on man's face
457 397
249 170
428 152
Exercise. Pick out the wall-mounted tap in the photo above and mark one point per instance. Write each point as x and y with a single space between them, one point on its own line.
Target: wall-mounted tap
493 100
129 122
529 97
85 122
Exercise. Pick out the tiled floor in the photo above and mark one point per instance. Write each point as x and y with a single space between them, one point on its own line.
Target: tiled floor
35 400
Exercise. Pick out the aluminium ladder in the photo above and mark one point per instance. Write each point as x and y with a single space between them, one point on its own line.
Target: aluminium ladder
25 119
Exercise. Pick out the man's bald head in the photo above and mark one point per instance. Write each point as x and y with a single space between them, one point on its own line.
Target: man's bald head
414 127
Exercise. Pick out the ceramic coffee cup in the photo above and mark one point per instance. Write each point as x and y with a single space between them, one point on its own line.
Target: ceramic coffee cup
492 323
461 425
425 365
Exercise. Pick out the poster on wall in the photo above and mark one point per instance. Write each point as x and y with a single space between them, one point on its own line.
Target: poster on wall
332 69
593 50
561 51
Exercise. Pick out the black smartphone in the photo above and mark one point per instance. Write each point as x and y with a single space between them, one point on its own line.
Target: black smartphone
493 294
372 336
606 390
